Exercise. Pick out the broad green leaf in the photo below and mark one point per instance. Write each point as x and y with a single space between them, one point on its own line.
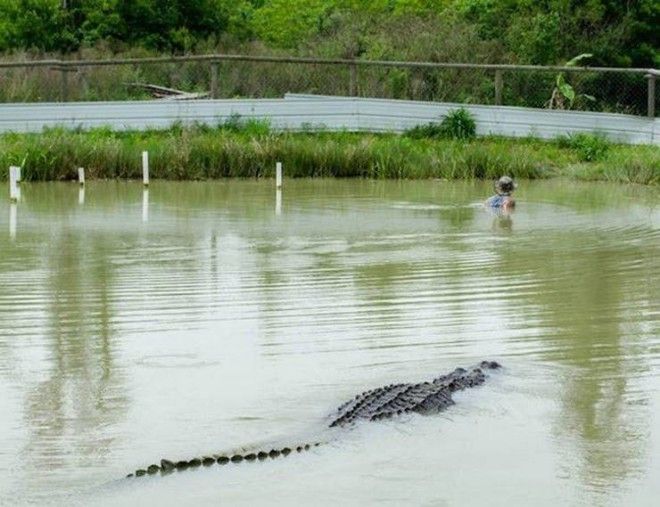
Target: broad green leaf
560 80
568 92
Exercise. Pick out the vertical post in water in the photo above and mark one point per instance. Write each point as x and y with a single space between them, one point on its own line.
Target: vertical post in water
81 176
214 80
12 220
278 175
13 186
498 87
145 168
650 101
145 205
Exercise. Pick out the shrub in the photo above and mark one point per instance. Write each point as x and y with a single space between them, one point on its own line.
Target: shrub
589 147
459 124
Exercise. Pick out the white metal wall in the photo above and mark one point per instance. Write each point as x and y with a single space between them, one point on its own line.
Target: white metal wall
300 112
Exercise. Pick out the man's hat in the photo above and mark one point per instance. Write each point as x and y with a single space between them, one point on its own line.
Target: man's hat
505 185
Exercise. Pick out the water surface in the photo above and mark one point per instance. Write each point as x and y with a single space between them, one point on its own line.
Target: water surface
204 316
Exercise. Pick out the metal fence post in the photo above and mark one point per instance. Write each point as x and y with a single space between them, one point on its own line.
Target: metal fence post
214 79
498 87
353 84
650 103
64 82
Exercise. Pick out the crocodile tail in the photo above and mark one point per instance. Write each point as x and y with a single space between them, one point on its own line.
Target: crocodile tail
166 466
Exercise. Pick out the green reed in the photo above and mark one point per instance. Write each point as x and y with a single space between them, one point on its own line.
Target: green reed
251 150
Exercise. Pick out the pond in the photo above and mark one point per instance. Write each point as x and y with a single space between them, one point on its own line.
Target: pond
201 317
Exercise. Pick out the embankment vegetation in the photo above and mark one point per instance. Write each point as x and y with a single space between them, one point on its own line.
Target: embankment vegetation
250 150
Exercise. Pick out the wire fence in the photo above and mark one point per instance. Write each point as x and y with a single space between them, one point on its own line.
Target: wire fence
630 91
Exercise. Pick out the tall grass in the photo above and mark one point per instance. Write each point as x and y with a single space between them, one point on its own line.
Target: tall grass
590 147
251 150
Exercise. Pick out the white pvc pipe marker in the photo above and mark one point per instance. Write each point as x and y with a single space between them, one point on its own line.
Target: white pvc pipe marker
13 185
278 175
145 168
81 176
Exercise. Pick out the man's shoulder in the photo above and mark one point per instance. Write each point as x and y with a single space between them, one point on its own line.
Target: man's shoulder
495 201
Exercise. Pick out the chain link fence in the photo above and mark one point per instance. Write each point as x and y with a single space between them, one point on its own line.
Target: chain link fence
629 91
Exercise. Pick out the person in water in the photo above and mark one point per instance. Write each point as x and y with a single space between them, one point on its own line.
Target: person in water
504 187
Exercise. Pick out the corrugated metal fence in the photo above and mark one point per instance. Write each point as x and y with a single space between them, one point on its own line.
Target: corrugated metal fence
312 112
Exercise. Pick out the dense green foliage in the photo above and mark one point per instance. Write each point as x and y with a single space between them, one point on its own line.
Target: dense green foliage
457 124
589 147
251 149
66 25
528 31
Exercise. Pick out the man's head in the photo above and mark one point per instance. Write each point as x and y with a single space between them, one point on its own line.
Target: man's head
505 185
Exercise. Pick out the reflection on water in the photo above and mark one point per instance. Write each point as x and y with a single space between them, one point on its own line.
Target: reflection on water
214 322
145 205
503 222
13 219
78 391
596 299
278 202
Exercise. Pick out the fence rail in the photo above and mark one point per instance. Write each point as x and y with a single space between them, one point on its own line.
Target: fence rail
622 90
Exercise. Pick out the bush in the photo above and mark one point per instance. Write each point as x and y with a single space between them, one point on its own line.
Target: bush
589 147
458 124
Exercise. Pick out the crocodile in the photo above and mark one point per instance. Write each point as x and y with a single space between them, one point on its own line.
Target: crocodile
373 405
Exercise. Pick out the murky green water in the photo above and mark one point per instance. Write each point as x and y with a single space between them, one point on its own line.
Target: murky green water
205 316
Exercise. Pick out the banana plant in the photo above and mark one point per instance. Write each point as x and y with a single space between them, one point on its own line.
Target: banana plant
563 95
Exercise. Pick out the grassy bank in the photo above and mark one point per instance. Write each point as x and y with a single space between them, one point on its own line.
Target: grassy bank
251 151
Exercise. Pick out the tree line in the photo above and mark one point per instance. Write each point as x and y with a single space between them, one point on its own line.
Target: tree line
617 32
